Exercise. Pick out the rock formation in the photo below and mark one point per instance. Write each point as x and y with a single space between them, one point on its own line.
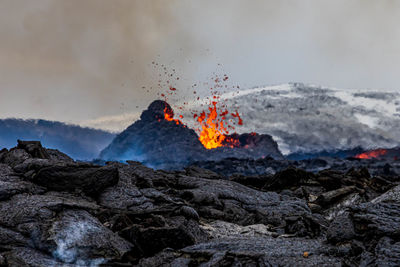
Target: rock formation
160 143
58 212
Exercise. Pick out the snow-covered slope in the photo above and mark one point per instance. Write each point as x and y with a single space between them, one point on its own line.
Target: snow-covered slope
311 118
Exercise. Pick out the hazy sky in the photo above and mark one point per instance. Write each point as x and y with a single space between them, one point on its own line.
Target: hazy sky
82 60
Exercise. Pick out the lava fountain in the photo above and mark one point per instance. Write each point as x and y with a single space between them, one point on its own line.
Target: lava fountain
214 127
213 123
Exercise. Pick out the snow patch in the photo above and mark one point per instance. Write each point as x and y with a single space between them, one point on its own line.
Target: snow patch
370 121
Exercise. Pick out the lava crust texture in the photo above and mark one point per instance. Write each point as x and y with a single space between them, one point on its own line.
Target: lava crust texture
58 212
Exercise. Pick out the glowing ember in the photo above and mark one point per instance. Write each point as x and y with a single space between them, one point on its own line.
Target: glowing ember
233 142
236 115
371 154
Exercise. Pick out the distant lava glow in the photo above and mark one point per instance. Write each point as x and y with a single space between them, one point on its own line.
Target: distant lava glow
371 154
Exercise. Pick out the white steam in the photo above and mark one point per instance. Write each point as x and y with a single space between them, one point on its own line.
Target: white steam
66 244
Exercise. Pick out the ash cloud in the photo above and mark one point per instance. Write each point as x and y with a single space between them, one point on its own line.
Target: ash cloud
78 61
83 58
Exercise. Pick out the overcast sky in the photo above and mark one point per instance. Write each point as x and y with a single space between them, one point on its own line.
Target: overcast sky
85 60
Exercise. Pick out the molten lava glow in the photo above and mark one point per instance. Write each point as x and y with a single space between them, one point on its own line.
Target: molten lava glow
213 122
371 154
213 131
169 117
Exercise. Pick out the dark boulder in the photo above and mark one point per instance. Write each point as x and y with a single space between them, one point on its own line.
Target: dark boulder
201 173
31 151
233 202
158 233
341 229
330 197
76 236
11 184
254 181
135 191
189 213
288 178
376 220
14 157
33 148
89 179
38 208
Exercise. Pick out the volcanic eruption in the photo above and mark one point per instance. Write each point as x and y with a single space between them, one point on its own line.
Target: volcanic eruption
214 123
159 140
213 132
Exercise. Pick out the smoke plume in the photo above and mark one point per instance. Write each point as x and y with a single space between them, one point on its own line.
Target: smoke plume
82 61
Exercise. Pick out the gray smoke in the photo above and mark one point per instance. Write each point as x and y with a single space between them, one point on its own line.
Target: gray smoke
307 118
74 60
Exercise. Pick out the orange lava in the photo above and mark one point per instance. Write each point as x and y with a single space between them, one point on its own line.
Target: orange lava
213 132
371 154
236 115
169 117
213 122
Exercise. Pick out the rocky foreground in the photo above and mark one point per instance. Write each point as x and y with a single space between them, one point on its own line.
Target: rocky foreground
57 212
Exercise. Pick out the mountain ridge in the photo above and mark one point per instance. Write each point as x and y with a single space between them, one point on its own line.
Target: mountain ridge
307 118
79 142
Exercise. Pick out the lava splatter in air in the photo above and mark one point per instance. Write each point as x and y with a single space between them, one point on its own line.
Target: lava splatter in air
214 122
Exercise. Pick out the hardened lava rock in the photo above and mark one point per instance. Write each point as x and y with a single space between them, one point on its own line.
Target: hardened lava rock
58 212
